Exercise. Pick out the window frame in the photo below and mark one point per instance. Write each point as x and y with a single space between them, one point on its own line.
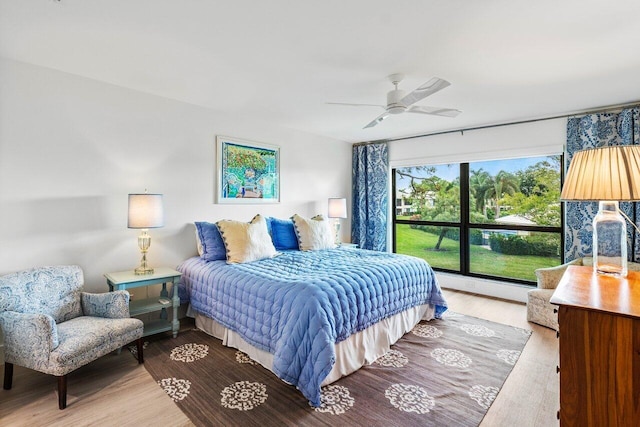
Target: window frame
465 226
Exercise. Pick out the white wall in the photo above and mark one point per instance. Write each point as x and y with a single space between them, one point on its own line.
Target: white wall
71 149
504 142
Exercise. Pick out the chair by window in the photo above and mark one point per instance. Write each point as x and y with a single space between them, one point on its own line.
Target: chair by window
539 309
50 325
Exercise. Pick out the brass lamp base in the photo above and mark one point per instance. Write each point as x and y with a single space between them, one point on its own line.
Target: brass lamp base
143 270
144 241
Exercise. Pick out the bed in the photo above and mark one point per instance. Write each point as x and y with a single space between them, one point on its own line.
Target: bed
312 316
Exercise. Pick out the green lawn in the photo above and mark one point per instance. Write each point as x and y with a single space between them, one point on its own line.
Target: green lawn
483 261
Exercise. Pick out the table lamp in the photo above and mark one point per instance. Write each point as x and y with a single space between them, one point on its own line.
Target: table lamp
145 211
607 175
337 210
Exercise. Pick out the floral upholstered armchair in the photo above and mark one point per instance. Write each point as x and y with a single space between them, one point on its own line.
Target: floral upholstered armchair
51 326
539 309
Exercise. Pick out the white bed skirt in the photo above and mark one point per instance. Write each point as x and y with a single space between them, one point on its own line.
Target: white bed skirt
358 350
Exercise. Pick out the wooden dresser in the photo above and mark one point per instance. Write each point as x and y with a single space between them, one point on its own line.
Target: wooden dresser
599 332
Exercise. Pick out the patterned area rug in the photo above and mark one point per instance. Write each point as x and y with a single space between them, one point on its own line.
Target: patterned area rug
444 372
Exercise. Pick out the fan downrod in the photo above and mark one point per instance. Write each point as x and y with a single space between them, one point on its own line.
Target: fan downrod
395 78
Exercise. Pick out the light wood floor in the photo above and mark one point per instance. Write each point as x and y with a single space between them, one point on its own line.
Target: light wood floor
115 390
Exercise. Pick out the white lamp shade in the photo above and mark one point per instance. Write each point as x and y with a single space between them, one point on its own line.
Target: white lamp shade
145 211
607 173
337 208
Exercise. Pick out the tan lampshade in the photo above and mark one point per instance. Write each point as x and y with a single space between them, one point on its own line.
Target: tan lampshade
145 211
337 208
607 173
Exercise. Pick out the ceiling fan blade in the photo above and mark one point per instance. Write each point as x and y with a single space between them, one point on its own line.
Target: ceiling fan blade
355 105
377 120
429 88
435 111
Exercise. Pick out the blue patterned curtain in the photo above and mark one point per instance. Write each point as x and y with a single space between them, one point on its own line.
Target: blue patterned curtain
591 131
370 195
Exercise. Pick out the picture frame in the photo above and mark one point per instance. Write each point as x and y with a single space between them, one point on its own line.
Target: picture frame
247 172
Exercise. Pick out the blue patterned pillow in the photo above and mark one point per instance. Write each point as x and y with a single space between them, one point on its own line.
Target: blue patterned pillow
283 234
210 240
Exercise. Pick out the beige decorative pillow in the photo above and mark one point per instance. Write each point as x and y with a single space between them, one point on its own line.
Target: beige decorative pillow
246 242
314 233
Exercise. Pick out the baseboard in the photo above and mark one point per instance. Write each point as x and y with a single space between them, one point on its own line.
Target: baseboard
491 288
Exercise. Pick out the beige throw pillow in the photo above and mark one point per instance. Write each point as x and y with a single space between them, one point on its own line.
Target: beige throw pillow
313 234
246 242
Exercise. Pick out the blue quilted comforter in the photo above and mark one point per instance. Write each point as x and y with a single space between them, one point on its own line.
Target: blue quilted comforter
299 304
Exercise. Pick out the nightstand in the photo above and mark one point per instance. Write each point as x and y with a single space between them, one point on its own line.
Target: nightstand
599 343
124 280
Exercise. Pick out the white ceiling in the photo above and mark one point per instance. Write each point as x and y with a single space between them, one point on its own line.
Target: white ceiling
282 60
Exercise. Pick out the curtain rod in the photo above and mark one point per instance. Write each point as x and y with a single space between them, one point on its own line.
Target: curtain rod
606 109
380 141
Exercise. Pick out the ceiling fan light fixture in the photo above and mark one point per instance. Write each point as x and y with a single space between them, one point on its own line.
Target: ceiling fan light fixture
394 106
396 109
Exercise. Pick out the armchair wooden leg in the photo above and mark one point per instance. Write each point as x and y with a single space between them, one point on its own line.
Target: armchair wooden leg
8 375
62 392
139 344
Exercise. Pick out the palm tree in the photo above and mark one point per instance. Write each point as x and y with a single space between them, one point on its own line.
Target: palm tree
479 183
503 183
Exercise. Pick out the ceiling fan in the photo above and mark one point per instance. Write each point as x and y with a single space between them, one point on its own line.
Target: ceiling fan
398 101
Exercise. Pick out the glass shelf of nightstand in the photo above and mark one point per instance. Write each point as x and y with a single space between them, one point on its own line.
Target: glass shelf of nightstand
156 326
149 305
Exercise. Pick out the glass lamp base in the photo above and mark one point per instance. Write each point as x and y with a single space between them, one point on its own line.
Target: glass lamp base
144 242
610 269
609 241
336 229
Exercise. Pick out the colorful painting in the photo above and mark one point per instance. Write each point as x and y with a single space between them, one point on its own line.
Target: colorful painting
248 172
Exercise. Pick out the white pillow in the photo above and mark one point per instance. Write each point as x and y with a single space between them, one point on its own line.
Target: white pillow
313 234
246 242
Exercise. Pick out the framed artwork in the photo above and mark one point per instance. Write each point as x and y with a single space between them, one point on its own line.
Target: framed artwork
248 172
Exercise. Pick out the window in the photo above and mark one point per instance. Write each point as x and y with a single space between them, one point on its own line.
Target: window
499 219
